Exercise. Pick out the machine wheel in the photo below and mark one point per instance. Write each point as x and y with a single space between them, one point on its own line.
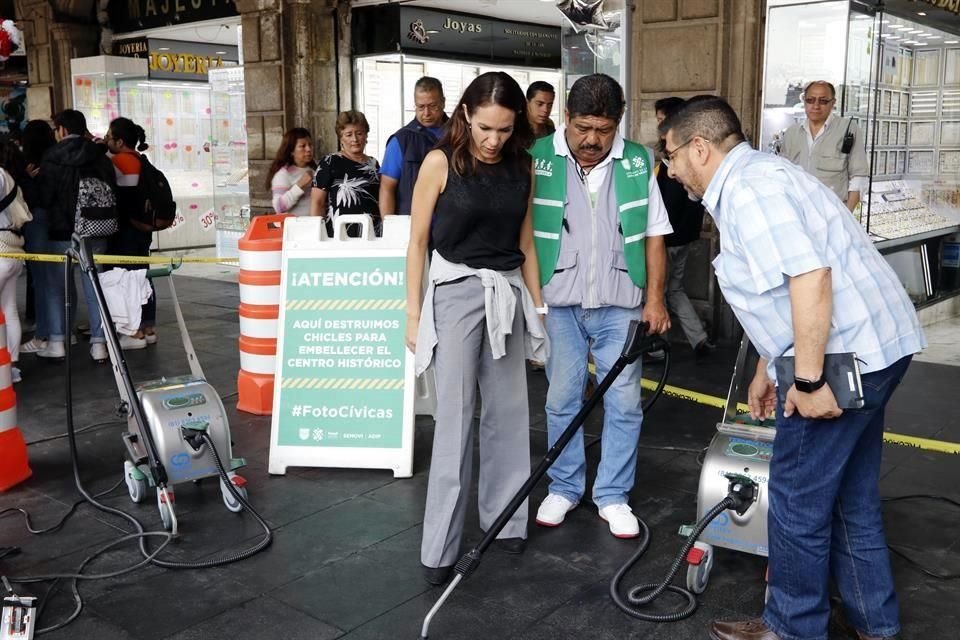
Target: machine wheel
698 575
166 510
137 489
229 501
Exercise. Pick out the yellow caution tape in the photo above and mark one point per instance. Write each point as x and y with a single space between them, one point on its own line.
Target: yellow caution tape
922 443
713 401
107 259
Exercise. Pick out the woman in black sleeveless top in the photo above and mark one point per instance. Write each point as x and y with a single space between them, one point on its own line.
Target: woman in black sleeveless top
472 199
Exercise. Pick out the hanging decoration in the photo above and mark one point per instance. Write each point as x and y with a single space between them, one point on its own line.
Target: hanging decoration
585 14
11 39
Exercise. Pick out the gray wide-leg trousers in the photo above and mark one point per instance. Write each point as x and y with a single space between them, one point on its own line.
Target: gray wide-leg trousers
462 360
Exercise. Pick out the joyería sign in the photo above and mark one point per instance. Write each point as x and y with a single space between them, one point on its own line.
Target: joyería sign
175 60
953 6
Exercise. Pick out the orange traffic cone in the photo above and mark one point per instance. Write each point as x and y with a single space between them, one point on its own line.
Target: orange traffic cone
14 466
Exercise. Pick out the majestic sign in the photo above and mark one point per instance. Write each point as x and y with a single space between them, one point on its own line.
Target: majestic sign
389 28
134 15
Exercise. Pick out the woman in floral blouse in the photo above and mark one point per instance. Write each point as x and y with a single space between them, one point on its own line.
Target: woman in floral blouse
348 181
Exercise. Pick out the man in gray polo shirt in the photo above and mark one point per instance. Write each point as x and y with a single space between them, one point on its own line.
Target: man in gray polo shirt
829 147
599 224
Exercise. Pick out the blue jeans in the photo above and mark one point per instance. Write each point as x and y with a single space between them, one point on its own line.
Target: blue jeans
572 331
825 519
55 294
36 241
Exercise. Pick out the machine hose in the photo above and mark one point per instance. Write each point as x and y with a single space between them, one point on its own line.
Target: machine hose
634 597
140 534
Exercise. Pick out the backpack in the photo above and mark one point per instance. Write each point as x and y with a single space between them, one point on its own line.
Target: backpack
159 209
96 215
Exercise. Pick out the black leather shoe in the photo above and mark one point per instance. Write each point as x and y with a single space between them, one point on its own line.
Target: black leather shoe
437 575
513 546
704 349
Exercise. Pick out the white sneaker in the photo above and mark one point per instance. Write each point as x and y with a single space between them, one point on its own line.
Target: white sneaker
553 510
33 345
15 375
151 338
623 524
130 343
98 351
53 350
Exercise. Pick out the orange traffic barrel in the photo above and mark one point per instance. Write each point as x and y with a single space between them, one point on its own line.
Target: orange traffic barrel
255 379
14 462
261 252
259 321
262 245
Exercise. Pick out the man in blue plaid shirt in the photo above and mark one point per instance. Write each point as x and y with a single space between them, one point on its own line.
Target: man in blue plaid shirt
804 279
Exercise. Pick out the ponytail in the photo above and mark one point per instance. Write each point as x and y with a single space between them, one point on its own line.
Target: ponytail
141 139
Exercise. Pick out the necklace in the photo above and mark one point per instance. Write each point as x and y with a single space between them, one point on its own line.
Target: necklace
583 173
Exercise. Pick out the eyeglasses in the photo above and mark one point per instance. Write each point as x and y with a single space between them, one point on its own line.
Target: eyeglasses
668 155
821 101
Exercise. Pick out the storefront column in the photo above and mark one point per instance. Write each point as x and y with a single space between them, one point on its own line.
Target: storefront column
290 69
50 46
685 48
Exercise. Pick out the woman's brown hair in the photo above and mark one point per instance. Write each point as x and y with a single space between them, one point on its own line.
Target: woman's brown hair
348 118
284 155
492 88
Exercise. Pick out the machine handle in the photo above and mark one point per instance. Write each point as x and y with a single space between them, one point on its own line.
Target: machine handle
639 341
135 458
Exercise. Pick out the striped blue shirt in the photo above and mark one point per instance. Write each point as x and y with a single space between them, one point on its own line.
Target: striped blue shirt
776 221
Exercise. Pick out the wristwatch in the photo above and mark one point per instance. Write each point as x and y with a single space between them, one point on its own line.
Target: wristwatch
809 386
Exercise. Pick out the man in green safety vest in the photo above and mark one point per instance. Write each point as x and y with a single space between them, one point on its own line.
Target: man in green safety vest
599 227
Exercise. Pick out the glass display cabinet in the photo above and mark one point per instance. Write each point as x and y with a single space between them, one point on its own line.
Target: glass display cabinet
196 132
897 75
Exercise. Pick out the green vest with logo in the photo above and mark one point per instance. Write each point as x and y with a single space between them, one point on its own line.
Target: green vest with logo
631 175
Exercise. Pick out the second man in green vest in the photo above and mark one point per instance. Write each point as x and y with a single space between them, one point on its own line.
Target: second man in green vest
599 224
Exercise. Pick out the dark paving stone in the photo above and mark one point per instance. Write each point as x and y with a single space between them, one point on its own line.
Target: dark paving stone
904 480
88 625
346 551
258 619
462 617
282 500
382 577
592 614
82 530
539 579
322 538
189 597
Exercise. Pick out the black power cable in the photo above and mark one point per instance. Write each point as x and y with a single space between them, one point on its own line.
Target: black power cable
741 494
149 557
634 597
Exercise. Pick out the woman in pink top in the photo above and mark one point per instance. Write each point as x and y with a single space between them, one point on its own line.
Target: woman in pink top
291 173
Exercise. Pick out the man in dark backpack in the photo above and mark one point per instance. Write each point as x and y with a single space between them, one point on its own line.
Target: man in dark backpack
76 188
